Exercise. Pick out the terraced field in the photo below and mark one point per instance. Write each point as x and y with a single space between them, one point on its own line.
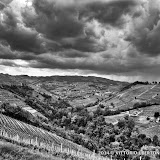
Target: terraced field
15 127
126 99
151 93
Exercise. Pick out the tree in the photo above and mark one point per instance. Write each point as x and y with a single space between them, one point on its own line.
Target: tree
148 118
155 140
112 138
98 111
131 124
156 115
121 123
142 136
112 104
81 130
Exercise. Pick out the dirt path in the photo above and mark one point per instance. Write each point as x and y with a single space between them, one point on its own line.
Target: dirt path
137 95
146 91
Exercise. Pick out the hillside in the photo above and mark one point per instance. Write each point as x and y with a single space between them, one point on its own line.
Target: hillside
78 90
138 93
94 113
12 129
15 152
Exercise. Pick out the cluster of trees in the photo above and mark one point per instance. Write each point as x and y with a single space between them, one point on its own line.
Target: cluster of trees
133 84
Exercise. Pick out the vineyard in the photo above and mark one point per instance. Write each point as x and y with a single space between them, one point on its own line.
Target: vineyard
8 97
126 99
151 93
30 135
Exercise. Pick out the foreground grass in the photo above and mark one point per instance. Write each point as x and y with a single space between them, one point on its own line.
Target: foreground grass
10 151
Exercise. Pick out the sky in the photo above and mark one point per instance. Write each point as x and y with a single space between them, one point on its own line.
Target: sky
116 39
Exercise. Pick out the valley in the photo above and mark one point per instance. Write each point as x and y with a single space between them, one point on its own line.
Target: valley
90 113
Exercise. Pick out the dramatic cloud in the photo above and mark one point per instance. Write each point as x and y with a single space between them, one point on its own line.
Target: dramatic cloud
78 26
110 13
16 36
102 37
145 31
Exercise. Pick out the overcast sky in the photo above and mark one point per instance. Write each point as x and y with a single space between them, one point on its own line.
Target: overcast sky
117 39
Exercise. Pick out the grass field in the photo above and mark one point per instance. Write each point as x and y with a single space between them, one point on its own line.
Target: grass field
9 151
147 127
149 111
83 102
92 109
151 131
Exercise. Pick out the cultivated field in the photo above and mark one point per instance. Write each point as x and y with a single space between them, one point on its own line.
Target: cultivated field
129 97
153 92
149 111
25 131
83 102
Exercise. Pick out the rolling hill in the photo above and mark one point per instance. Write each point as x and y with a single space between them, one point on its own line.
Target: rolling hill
77 109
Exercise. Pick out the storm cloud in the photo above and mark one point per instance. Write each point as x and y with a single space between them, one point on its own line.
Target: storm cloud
106 37
145 34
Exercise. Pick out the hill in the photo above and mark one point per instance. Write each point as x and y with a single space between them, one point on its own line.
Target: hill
22 133
78 90
95 113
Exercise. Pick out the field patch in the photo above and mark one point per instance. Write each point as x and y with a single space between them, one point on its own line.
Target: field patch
151 131
149 111
83 102
115 118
